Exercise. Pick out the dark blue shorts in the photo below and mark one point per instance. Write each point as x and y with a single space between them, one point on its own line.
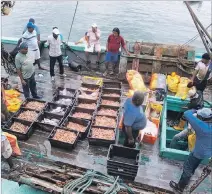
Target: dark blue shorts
111 57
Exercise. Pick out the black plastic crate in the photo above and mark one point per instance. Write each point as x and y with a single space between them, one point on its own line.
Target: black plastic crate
23 105
122 161
58 97
60 144
43 126
108 92
71 92
107 107
83 122
50 106
116 99
48 116
89 87
19 135
112 85
82 110
97 125
86 101
25 109
125 176
89 95
101 142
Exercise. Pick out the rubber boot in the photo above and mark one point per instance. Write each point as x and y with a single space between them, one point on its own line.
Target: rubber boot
176 186
181 125
10 162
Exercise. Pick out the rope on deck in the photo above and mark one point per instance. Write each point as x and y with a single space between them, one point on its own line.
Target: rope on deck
81 184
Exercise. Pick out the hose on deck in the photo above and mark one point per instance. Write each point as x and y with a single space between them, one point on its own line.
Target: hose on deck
81 184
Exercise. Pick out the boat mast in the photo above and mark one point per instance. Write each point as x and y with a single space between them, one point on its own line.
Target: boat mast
206 38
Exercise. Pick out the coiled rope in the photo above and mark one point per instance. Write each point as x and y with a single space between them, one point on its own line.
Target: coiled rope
81 184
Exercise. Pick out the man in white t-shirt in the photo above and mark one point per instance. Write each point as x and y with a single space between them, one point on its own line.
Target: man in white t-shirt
202 73
54 43
30 37
93 43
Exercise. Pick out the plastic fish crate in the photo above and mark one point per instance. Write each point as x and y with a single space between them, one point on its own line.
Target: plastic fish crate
107 92
19 135
72 91
86 101
94 120
112 85
50 106
122 161
107 107
60 144
25 109
117 99
89 93
82 110
48 116
101 142
30 100
90 87
83 122
57 97
43 126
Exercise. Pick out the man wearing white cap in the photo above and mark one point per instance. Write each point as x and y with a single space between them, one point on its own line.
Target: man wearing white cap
93 43
54 44
202 125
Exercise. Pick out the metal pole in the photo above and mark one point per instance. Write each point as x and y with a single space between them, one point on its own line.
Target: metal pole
200 33
197 20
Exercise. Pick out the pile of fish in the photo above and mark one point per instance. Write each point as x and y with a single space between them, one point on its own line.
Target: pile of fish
111 94
105 121
88 95
89 89
54 122
65 101
87 106
75 126
82 115
58 110
65 136
103 134
18 127
65 92
172 122
107 111
28 115
110 102
35 105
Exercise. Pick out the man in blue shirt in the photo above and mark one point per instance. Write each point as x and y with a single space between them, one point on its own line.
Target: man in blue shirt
36 29
202 125
134 118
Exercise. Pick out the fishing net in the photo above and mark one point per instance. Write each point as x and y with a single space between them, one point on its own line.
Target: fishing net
7 61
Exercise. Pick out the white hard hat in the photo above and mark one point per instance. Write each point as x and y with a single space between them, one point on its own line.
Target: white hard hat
205 113
56 31
94 25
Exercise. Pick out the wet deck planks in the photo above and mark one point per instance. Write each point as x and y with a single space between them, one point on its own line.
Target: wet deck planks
153 170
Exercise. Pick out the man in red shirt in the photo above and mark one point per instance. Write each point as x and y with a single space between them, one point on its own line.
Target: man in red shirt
114 42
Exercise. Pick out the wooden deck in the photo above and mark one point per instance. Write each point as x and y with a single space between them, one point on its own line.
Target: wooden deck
153 170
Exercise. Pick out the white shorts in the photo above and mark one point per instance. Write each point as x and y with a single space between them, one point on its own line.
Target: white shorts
93 48
6 149
35 54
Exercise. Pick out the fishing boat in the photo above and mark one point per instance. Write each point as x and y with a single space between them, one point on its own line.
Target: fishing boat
48 168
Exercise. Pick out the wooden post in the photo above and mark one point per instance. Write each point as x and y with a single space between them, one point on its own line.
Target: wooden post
156 65
137 51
